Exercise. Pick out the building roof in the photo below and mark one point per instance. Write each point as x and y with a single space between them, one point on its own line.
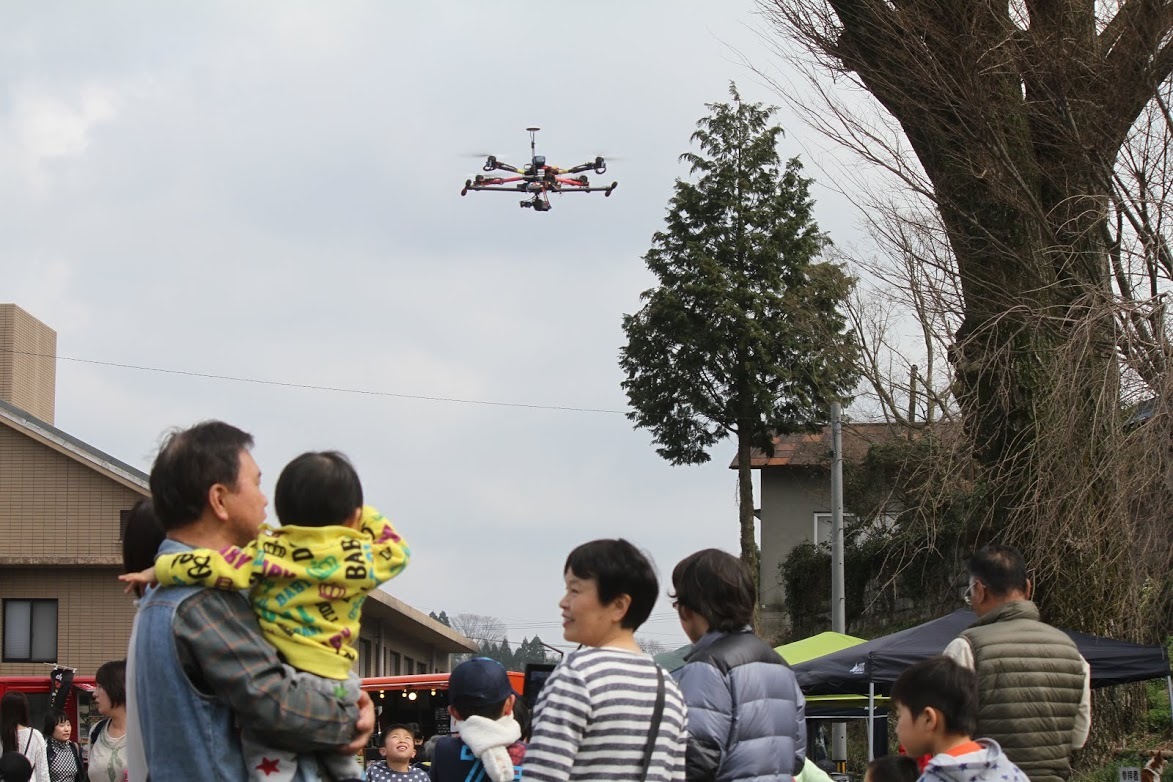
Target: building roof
398 615
807 449
72 447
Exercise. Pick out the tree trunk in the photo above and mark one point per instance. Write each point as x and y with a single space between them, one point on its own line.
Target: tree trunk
749 544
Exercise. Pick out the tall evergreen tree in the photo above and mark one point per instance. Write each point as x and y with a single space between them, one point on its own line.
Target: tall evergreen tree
744 335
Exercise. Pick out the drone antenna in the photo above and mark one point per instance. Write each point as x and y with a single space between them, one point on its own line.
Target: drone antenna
532 136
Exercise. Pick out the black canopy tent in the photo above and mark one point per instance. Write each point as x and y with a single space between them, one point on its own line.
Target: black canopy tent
871 668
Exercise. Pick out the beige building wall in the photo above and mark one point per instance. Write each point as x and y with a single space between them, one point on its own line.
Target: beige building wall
93 616
55 509
28 367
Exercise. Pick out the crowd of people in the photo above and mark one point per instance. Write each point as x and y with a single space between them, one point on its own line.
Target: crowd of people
241 654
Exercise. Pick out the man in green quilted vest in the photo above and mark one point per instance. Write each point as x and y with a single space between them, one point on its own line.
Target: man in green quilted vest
1034 687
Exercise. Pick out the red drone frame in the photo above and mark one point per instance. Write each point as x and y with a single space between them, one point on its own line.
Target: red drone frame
538 179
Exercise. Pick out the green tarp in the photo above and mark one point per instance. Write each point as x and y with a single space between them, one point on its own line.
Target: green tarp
797 652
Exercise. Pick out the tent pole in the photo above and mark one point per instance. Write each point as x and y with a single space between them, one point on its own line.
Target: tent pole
872 720
1169 684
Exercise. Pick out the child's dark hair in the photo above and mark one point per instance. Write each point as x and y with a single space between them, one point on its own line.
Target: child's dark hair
317 489
716 585
619 568
893 768
409 727
490 711
15 767
940 683
523 714
53 718
141 538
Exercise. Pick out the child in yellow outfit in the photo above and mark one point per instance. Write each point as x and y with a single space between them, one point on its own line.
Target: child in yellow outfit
307 582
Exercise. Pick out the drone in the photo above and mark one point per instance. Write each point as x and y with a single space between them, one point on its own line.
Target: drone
537 180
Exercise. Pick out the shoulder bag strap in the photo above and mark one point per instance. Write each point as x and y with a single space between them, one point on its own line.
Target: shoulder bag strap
28 741
657 714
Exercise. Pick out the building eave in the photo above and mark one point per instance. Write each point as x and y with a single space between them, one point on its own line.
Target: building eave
415 623
72 447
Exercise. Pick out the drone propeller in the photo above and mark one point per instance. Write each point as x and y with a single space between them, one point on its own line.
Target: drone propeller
476 154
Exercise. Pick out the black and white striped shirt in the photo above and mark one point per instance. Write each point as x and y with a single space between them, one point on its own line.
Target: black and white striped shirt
593 717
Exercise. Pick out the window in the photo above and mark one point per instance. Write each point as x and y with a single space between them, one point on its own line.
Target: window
821 534
395 664
123 519
408 665
30 631
421 667
364 656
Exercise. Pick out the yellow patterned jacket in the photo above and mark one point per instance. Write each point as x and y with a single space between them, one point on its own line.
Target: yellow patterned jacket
306 584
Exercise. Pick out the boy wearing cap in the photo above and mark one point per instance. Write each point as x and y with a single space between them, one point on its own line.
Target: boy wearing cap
487 740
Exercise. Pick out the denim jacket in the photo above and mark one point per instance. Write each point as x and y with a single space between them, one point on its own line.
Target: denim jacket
202 666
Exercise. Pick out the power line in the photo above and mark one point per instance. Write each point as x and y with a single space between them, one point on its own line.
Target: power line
311 387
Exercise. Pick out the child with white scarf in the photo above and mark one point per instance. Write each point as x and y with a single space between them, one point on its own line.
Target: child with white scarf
480 701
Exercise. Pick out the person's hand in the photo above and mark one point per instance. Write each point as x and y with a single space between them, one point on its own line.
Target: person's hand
144 578
364 727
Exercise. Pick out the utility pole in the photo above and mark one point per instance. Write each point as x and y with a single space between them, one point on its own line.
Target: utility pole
838 599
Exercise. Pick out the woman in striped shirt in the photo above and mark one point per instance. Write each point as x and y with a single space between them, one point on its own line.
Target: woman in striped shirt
607 711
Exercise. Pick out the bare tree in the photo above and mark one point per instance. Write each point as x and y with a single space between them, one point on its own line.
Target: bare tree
486 631
1030 137
651 647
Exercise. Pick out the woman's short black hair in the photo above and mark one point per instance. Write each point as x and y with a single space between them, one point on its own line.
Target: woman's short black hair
716 585
619 568
111 677
53 718
317 489
893 768
940 683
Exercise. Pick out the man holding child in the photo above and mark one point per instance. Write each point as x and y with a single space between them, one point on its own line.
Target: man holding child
203 667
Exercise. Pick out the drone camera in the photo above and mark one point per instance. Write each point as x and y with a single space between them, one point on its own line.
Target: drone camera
539 161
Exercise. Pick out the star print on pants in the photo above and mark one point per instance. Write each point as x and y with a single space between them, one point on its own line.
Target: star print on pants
268 765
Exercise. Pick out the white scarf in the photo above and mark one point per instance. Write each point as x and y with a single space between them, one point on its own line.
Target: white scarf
488 740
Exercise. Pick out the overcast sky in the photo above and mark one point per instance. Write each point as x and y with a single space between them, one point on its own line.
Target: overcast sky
270 190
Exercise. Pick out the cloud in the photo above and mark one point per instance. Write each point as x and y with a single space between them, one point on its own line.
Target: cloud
271 191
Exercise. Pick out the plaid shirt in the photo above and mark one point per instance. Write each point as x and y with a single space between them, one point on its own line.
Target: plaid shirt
223 653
